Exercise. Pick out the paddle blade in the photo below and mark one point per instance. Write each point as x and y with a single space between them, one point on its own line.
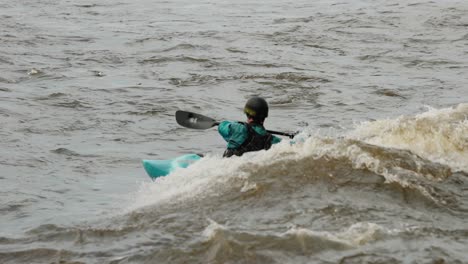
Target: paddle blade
193 120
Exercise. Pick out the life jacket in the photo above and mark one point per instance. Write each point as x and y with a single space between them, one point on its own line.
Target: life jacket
254 142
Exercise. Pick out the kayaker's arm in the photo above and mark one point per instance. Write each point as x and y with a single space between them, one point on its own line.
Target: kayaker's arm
234 133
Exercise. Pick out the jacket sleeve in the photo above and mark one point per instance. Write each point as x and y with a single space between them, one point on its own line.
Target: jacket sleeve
234 133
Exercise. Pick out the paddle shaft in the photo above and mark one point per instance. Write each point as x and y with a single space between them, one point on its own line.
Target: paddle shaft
290 135
197 121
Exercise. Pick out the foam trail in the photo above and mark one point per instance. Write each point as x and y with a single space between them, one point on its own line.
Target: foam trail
207 177
356 235
210 176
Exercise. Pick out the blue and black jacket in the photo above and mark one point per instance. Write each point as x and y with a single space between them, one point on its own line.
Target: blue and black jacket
243 137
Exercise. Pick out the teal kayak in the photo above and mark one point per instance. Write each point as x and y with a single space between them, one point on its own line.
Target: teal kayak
159 168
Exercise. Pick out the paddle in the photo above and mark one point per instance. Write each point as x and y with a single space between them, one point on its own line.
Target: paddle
197 121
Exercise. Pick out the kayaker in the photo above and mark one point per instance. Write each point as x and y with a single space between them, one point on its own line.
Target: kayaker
248 136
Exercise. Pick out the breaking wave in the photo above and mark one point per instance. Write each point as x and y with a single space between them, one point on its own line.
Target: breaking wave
409 153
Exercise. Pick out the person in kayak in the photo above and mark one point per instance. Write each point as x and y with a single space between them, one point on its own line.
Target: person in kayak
242 137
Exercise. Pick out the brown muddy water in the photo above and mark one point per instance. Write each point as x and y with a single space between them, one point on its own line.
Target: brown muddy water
378 89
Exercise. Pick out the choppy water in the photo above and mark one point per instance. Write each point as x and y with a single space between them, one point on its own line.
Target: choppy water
378 175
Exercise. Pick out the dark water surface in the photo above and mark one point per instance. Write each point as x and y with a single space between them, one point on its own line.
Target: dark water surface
379 88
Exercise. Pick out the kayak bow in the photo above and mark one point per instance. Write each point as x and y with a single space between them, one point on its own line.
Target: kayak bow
160 168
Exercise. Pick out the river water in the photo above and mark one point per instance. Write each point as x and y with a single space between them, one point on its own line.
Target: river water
378 90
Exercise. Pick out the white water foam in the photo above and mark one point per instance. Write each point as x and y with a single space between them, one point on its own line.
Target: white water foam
439 135
208 177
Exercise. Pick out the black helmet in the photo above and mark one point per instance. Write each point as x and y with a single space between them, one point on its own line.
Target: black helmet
257 108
